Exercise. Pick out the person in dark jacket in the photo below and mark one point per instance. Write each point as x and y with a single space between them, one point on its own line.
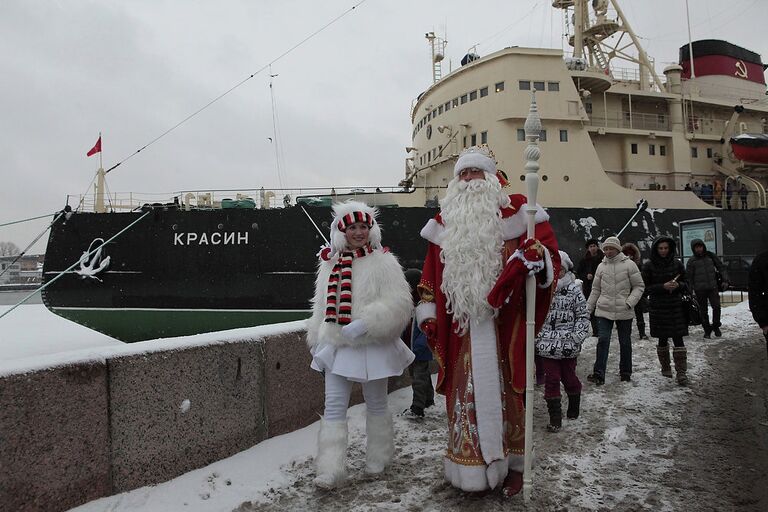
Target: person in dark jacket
421 383
633 252
665 283
758 291
703 269
586 272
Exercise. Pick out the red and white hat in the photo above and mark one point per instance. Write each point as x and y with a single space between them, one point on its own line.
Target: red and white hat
348 213
479 157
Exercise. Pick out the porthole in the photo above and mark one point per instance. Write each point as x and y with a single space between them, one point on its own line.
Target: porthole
221 226
253 226
522 177
544 178
566 178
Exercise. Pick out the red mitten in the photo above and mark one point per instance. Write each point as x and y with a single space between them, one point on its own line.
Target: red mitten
429 327
526 260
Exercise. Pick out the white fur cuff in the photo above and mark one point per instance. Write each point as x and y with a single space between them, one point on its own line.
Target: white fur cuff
425 311
550 275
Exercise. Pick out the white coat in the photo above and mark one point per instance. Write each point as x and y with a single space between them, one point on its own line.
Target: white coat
616 289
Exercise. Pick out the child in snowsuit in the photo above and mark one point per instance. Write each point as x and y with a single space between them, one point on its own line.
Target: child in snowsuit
559 343
421 377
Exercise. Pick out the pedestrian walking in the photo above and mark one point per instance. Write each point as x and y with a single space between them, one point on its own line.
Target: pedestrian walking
665 283
617 288
758 292
633 252
707 277
559 344
586 272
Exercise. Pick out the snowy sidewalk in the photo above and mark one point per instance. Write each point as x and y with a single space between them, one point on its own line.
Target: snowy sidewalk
645 445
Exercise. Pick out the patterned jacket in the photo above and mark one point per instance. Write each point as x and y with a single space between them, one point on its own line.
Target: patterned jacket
567 324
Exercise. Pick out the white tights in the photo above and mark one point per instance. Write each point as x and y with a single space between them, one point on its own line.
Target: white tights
337 392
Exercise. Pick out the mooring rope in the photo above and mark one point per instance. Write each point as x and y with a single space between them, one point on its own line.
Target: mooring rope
25 220
22 253
25 299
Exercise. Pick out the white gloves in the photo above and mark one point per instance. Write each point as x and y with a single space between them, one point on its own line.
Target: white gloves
354 330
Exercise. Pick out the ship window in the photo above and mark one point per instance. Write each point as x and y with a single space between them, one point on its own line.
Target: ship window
463 99
474 139
651 149
434 154
553 86
473 96
434 113
520 135
525 85
447 106
440 109
663 150
483 92
694 152
563 135
455 102
633 148
543 135
429 117
499 86
709 152
429 156
588 107
539 86
465 141
483 137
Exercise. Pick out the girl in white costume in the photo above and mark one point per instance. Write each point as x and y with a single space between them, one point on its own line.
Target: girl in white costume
362 303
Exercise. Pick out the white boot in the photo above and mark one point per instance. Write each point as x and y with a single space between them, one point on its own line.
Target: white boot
331 460
381 443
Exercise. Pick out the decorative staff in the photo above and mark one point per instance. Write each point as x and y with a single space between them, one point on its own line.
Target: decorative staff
532 153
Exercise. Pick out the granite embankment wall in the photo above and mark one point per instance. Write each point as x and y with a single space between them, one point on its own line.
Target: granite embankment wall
123 418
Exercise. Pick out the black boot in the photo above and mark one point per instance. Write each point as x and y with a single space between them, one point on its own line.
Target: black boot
555 414
574 402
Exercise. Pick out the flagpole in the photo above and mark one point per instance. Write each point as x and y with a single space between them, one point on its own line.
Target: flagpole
532 152
101 164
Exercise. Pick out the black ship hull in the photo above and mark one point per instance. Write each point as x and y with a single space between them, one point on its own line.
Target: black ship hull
185 272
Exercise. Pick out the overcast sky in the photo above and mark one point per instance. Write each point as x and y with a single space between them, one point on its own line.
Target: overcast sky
132 70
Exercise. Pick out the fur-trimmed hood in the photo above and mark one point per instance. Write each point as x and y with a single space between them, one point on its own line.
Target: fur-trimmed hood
633 252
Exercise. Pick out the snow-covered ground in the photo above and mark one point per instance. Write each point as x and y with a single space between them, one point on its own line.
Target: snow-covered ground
645 445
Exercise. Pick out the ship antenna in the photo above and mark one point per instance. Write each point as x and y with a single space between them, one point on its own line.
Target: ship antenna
276 141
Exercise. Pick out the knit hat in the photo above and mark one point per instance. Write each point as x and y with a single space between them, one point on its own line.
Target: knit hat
479 157
565 261
347 213
611 241
591 241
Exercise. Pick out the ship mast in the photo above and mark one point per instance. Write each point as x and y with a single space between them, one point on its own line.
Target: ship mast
592 39
437 45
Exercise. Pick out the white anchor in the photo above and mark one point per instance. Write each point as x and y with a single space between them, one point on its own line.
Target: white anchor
96 264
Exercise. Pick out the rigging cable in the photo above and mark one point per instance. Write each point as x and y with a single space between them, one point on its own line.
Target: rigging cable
88 253
25 220
22 253
276 141
220 96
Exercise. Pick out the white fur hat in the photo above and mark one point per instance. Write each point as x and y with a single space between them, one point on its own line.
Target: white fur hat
565 260
479 157
340 210
611 241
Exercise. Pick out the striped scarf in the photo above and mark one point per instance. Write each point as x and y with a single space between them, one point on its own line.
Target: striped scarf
338 307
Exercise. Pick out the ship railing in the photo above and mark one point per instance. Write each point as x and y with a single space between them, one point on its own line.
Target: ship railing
631 120
238 198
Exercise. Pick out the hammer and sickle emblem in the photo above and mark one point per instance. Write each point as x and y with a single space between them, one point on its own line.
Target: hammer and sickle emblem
741 69
92 264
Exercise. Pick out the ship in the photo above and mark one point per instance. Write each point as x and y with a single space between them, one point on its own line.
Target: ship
613 138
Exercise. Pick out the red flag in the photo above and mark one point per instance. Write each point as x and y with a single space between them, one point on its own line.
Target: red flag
95 149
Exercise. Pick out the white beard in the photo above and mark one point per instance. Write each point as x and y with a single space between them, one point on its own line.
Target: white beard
471 247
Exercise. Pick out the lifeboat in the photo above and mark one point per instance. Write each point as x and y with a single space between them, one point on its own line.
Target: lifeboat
751 147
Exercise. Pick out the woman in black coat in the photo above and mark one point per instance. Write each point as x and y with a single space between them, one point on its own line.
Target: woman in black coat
665 283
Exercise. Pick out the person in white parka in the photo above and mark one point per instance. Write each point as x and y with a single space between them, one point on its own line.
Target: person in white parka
361 305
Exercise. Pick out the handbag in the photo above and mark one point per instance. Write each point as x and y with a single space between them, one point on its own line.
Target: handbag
691 309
